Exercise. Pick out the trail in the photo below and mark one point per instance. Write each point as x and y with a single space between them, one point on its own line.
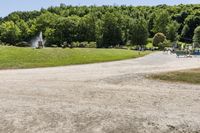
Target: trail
113 97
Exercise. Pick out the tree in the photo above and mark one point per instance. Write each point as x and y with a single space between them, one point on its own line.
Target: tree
1 19
161 21
191 22
180 18
33 29
66 29
196 37
23 26
46 20
99 31
107 25
172 31
13 17
151 24
9 32
86 28
125 24
50 36
139 32
112 34
158 39
185 34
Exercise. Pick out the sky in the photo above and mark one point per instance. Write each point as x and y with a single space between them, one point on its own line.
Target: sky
8 6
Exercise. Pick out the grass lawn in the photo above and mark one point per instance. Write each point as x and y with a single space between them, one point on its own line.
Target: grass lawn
15 57
187 76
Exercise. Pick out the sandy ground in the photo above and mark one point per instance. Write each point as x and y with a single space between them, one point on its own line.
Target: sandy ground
112 97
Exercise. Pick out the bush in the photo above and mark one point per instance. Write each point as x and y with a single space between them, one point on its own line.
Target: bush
149 45
118 46
149 40
164 44
4 44
23 44
54 45
65 45
158 40
92 45
75 44
84 44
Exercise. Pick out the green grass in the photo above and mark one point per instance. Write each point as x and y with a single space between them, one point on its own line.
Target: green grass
186 76
15 57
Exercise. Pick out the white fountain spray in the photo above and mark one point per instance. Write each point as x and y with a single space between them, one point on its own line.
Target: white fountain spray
35 42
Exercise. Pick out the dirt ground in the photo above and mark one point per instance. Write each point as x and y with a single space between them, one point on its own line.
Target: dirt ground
114 97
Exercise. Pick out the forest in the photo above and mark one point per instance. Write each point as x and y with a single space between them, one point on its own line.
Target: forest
101 26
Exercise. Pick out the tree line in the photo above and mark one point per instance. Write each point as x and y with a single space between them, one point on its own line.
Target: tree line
106 25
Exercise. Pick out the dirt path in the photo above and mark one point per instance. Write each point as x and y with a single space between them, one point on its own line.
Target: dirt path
110 97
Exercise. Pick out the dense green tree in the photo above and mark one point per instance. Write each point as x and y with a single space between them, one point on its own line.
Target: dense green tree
86 28
180 18
9 32
125 26
33 31
151 24
172 31
26 16
24 28
13 17
161 21
139 32
66 29
196 37
191 22
45 20
50 36
98 33
112 33
185 33
92 23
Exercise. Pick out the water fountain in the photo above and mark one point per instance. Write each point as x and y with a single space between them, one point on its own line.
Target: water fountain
38 42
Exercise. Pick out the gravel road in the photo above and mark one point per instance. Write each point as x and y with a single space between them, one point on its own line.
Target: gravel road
113 97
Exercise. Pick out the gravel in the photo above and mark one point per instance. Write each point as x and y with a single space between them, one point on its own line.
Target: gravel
113 97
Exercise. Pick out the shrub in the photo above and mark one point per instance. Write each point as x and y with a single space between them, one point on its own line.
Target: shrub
75 44
92 45
23 44
149 46
158 40
65 44
149 40
5 44
84 44
166 43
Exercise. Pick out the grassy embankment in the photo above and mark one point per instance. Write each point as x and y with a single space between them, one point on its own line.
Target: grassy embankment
14 57
186 76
